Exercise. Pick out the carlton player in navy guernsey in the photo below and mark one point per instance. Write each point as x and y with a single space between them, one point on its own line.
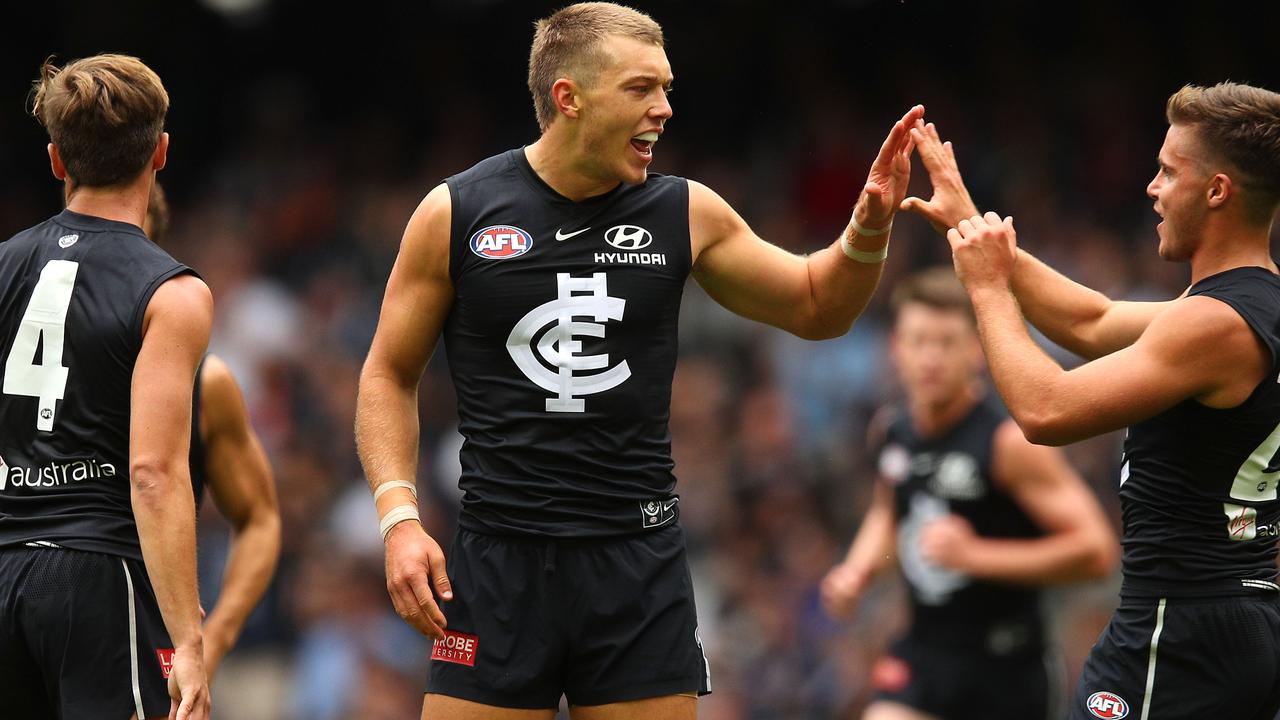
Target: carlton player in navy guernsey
977 518
554 273
100 332
1197 634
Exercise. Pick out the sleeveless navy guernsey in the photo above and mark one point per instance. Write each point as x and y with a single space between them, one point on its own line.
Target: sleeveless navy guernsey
1198 484
562 344
73 294
952 473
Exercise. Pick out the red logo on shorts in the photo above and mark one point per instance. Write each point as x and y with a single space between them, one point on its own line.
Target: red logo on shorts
891 674
166 661
456 647
1107 705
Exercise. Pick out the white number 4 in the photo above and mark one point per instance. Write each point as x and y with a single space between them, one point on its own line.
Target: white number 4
46 316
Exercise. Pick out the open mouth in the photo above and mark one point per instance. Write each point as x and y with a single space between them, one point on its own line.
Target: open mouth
643 143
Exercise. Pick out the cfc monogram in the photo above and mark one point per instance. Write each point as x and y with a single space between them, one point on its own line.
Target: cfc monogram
559 348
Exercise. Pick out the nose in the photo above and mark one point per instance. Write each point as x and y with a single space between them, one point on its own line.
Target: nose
662 111
1153 187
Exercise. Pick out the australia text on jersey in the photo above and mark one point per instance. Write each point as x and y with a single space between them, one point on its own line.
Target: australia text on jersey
55 473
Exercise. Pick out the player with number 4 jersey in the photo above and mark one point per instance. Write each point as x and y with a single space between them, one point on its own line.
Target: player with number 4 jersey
100 334
554 273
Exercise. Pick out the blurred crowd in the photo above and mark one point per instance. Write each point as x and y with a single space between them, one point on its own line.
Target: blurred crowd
293 214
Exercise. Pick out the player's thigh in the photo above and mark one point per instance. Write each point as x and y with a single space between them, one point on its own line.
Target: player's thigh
667 707
444 707
889 710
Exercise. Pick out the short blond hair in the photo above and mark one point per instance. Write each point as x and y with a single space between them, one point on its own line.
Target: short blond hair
567 44
104 113
1240 124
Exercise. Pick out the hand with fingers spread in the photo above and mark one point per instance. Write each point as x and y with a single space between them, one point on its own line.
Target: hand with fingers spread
950 202
416 577
984 249
887 182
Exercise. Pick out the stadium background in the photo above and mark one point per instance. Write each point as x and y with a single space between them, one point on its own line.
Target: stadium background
305 133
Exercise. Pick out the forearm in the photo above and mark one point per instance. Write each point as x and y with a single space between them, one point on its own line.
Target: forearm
841 287
164 510
1060 558
873 548
255 549
1024 375
1067 312
387 428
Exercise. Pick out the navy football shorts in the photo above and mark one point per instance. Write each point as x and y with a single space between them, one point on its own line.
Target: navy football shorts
1185 658
958 684
81 636
598 620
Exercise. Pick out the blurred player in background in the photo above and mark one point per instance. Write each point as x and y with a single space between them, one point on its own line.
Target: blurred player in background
227 457
978 519
101 332
555 273
1197 633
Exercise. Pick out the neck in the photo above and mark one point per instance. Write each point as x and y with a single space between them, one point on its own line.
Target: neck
127 203
557 158
1226 246
931 420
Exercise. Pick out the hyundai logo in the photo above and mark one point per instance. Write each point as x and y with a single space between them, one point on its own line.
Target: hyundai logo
628 237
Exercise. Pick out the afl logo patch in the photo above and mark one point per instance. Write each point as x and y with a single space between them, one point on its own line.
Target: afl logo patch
1107 705
67 241
628 237
500 242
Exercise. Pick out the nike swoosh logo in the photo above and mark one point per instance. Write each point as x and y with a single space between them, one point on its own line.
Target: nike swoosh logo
669 505
562 235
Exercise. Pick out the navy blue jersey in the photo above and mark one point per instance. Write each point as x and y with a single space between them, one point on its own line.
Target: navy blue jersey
951 473
562 345
1198 484
73 294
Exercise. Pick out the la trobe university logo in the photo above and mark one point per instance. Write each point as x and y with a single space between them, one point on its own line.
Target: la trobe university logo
553 359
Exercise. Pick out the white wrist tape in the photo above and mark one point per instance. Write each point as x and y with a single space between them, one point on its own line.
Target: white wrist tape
392 484
397 515
863 256
868 232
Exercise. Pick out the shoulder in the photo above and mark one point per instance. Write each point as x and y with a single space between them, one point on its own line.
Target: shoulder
499 164
1197 323
183 296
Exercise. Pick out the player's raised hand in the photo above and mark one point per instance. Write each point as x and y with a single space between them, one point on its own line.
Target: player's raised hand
950 202
188 686
887 182
416 576
841 589
984 249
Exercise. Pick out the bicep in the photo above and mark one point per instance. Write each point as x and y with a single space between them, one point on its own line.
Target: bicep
737 268
1167 364
1124 322
176 333
419 294
1043 484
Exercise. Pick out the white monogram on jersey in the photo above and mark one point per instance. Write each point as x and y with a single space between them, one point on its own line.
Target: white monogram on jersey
559 348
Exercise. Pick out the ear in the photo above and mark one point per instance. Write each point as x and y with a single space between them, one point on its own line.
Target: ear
568 99
1220 190
161 155
55 163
